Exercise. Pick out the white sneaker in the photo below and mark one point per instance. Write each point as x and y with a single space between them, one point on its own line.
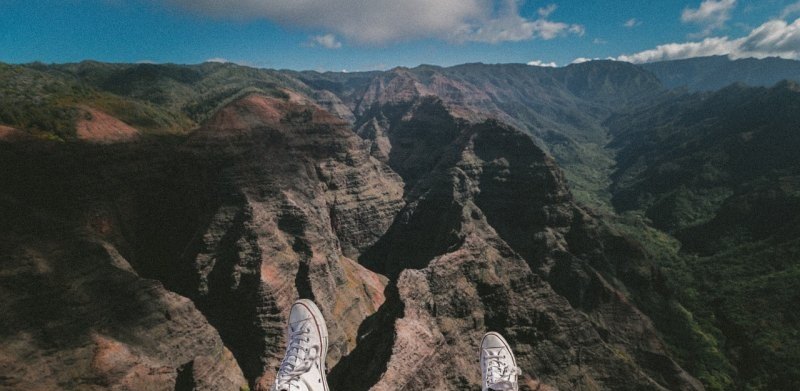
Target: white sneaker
498 366
303 367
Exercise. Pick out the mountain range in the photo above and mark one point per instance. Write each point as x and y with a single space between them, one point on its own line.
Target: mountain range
626 227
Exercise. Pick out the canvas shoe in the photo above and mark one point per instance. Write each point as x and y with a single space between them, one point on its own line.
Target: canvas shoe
498 366
303 367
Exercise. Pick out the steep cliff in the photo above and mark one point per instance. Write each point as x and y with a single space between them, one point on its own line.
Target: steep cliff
561 108
306 198
261 206
416 229
76 315
491 240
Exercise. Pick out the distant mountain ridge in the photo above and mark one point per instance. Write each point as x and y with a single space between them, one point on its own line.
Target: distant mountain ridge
716 72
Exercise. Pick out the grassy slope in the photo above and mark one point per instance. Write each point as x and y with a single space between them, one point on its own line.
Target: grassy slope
719 171
156 99
694 342
34 101
46 103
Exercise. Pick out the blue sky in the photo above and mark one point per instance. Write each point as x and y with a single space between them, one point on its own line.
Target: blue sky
379 34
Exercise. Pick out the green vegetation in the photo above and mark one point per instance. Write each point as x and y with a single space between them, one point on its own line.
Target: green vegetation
719 172
587 173
191 90
751 293
32 100
48 100
694 343
47 104
730 316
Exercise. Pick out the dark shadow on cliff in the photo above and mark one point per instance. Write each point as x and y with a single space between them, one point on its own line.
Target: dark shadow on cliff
363 367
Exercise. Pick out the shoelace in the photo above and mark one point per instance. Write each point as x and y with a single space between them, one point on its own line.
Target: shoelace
498 373
300 357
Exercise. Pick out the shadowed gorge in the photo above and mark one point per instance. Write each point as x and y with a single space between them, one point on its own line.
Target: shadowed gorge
158 221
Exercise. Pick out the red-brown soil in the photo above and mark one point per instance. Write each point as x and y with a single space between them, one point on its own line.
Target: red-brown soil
98 127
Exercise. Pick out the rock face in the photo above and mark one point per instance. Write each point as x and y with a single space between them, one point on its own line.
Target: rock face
415 234
77 316
485 244
563 109
567 101
308 199
270 201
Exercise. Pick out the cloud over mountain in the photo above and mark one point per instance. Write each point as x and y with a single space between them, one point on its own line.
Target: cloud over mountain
775 38
540 63
385 21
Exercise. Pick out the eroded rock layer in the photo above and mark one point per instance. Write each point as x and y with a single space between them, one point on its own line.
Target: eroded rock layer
77 316
174 261
486 243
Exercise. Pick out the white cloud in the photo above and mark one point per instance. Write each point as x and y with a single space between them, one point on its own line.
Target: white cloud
775 38
581 60
384 21
327 41
674 51
790 9
577 29
217 59
546 11
631 23
519 29
711 15
599 41
540 63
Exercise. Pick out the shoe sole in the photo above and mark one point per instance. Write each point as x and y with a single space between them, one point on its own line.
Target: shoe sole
322 328
505 343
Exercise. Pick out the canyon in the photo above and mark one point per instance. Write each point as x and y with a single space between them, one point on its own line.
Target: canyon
159 238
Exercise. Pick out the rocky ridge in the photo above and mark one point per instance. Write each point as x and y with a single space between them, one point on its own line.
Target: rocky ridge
258 194
562 108
426 226
78 316
493 206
